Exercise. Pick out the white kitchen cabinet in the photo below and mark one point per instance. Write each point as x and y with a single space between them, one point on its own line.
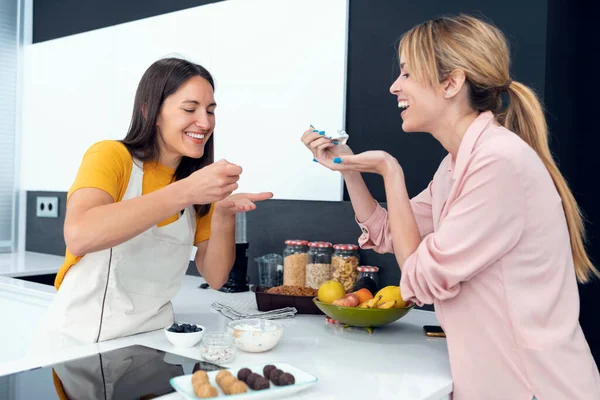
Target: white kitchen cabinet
21 310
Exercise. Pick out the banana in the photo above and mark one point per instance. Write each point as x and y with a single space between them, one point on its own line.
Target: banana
371 303
364 304
387 304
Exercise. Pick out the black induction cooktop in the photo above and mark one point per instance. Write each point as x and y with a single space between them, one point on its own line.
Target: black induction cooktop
134 372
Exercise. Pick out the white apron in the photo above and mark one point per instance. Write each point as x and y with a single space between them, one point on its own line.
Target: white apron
124 290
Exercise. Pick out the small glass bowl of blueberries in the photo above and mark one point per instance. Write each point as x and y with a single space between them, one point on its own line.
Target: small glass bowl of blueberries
183 334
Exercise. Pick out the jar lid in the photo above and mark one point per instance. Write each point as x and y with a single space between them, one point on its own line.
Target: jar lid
367 268
345 247
296 242
321 245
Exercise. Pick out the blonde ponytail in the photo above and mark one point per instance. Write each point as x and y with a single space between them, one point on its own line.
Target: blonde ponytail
524 116
437 47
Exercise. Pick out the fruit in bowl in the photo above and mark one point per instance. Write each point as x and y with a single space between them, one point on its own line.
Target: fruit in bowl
330 291
384 307
183 334
349 300
391 293
184 328
363 295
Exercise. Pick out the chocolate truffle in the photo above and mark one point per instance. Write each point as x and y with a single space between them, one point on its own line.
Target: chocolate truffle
286 379
274 375
243 374
251 378
267 370
261 384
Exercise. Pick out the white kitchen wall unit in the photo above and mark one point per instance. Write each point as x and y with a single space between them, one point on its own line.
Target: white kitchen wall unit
279 66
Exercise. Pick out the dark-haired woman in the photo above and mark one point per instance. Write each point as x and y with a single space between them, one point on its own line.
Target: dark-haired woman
137 208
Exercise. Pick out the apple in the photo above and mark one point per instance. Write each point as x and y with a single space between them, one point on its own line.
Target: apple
349 300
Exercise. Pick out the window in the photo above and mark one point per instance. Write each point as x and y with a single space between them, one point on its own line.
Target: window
8 111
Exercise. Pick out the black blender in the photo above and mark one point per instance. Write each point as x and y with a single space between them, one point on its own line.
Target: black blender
238 276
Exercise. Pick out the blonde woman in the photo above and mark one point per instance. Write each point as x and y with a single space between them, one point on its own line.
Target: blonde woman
496 239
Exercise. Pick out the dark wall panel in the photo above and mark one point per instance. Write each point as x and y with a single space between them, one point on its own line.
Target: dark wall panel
45 235
275 221
373 119
571 104
57 18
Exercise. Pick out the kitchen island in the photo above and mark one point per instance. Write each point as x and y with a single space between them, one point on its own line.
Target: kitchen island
395 362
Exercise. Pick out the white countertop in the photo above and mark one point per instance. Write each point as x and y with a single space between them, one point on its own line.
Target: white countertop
397 361
29 263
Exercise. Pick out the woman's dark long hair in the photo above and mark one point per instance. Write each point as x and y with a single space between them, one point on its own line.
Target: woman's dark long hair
161 79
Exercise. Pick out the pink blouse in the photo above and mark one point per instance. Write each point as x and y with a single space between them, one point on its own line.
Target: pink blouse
495 260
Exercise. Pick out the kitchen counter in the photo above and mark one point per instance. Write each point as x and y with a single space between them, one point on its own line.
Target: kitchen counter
28 263
395 362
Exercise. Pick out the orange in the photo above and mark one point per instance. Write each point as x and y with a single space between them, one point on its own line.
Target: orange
363 295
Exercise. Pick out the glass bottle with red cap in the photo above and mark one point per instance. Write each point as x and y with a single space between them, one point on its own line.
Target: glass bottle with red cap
318 268
370 272
295 257
344 263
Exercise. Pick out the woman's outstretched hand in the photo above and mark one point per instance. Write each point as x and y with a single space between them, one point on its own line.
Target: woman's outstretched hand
339 157
374 162
240 202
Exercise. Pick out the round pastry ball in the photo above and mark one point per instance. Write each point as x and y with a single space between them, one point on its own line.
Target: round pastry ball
261 384
274 375
251 378
243 374
238 387
267 370
286 379
200 377
205 391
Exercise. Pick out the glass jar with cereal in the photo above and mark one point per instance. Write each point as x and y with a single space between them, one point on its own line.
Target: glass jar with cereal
343 265
295 256
318 268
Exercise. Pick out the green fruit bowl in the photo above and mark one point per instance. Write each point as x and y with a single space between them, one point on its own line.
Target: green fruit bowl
365 317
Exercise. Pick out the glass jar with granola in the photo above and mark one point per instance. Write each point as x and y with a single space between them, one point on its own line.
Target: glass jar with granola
318 268
295 256
344 263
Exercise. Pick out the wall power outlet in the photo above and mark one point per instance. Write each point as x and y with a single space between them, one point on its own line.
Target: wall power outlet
46 207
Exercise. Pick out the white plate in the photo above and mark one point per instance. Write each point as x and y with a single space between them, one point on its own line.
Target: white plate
183 384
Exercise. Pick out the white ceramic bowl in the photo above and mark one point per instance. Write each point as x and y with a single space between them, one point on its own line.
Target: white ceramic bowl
255 335
183 339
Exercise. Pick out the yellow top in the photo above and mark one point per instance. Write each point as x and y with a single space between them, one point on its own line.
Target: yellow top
107 165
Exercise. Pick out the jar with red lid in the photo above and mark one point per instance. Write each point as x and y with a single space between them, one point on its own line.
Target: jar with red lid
369 272
344 263
295 257
318 267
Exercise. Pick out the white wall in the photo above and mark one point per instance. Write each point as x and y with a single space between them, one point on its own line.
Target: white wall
279 65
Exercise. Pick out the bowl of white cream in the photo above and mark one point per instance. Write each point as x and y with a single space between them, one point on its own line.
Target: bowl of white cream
255 335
